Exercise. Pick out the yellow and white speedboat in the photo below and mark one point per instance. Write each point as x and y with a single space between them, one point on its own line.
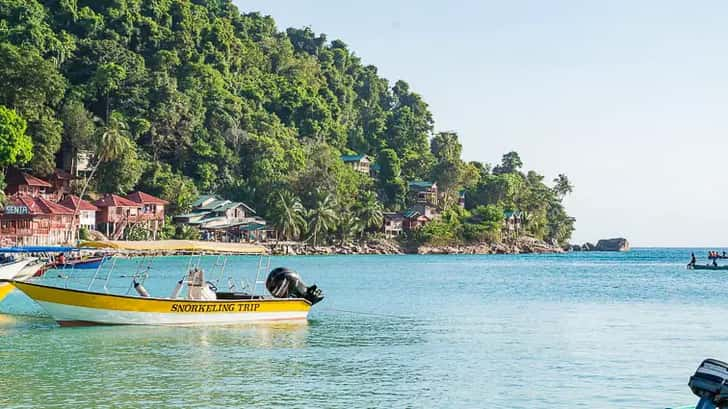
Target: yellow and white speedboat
194 301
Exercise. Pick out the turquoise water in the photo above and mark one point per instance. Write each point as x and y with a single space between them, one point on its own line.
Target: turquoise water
583 330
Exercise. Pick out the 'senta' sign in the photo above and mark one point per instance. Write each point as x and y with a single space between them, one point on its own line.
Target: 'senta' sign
16 210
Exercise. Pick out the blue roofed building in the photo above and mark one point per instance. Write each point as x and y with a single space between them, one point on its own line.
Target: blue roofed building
360 163
225 220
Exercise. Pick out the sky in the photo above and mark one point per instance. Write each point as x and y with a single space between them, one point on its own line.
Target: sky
628 98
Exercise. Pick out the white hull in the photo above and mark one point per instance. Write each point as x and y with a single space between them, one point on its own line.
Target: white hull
75 315
12 270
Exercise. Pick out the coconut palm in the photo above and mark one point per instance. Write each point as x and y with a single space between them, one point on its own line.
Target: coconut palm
349 226
287 215
111 144
322 217
370 210
563 185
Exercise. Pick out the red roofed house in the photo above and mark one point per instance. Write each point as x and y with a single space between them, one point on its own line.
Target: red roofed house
151 210
85 211
115 213
33 221
21 183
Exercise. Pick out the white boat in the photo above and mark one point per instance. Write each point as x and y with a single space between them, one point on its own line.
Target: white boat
193 300
14 270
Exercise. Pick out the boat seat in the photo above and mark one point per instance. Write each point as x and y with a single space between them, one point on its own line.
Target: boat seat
237 296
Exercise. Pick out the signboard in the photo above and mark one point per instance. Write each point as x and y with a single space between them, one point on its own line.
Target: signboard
16 210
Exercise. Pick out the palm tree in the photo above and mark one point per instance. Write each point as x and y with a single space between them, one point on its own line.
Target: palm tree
322 217
111 144
563 185
287 215
349 226
370 211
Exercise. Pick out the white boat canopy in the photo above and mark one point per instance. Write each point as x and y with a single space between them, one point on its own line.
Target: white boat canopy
176 245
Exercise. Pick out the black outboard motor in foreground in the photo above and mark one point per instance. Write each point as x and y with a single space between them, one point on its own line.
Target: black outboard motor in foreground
709 383
285 283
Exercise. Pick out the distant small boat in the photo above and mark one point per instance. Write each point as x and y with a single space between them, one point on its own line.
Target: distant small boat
707 267
91 263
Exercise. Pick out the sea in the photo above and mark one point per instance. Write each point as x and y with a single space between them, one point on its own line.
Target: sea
578 330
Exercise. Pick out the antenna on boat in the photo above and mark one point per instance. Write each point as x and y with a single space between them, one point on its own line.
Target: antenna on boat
709 384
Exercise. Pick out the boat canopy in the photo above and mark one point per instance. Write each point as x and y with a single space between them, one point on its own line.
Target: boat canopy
176 245
37 249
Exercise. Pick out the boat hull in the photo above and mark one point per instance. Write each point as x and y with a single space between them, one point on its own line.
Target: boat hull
88 264
16 270
5 289
74 308
699 267
10 270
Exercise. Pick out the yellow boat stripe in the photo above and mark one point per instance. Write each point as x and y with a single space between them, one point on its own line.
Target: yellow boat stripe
125 303
5 289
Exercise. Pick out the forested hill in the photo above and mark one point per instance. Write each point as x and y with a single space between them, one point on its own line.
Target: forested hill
178 97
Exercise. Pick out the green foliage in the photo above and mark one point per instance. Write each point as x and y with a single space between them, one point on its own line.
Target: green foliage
159 180
184 232
15 146
287 214
322 217
168 230
392 185
137 233
83 234
177 97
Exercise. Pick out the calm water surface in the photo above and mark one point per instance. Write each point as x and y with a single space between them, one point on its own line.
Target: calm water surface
583 330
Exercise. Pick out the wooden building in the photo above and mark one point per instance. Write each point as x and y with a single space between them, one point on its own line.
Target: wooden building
21 183
423 192
360 163
116 213
35 221
393 224
85 211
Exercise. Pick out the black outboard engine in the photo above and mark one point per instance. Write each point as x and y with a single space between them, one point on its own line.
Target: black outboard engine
709 383
285 283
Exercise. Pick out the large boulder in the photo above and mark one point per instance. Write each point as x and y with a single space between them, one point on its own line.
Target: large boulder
618 244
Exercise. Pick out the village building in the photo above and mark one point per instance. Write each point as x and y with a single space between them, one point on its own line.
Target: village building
413 219
114 214
85 211
150 208
35 221
393 224
21 183
423 192
360 163
117 213
225 220
512 222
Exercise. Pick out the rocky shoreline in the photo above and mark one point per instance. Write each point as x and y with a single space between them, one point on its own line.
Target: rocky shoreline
523 245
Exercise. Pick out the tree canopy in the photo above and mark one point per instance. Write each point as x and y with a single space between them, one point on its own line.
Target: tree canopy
180 97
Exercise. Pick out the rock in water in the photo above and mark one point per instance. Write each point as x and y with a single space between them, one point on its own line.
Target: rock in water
618 244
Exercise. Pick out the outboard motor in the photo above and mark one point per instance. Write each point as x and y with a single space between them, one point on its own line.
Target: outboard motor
285 283
709 383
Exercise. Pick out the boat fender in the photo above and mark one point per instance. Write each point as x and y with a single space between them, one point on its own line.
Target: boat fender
177 289
140 289
285 283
